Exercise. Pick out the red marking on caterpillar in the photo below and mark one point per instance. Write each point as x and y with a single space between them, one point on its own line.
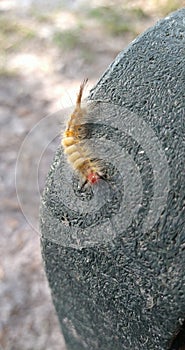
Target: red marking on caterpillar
75 149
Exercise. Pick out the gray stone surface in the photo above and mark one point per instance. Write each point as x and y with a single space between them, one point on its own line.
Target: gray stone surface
114 254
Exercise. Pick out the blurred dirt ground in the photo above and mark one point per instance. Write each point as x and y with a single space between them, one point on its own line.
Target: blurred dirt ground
43 58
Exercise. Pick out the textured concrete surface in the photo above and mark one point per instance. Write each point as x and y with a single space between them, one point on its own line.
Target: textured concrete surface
114 254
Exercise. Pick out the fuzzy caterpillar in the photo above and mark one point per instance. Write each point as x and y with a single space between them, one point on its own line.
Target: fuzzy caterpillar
74 148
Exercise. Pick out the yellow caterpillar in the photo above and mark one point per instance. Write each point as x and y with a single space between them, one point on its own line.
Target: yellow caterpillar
77 154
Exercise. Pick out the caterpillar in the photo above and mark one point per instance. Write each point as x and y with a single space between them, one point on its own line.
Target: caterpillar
74 146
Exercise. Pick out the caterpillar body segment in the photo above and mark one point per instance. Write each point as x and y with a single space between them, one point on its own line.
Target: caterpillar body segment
75 149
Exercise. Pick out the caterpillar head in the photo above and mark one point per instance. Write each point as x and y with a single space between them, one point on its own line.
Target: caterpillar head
93 177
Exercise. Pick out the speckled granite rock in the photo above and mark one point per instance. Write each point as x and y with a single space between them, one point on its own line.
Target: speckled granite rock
114 254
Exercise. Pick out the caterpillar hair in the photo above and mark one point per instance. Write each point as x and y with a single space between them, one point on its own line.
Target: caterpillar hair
75 147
